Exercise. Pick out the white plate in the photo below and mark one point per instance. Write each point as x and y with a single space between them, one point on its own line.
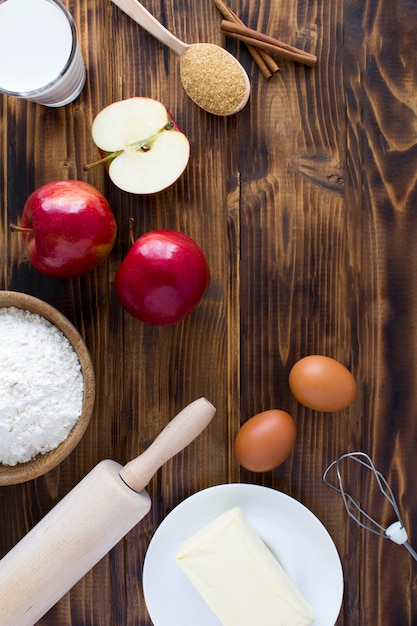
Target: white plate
293 534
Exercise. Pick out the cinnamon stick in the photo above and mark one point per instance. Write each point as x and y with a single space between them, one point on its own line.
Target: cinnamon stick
265 42
262 58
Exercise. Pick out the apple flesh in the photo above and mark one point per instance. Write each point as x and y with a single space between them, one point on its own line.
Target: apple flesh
163 277
143 148
68 228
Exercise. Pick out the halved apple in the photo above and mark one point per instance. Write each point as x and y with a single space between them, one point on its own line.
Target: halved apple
143 148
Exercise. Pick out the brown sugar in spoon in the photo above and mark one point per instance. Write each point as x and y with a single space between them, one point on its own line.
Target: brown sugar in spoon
211 76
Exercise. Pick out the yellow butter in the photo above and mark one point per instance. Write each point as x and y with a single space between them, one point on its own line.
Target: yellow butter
239 578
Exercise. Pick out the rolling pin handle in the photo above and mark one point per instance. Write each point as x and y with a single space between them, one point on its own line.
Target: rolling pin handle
179 432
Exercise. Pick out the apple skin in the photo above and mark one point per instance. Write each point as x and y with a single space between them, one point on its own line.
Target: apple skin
70 228
162 278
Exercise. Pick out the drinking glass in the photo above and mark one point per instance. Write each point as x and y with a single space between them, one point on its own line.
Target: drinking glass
40 55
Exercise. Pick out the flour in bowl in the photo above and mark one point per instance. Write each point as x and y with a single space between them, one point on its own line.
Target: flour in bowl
41 386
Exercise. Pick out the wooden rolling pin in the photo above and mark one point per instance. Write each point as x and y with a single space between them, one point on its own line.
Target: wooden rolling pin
89 521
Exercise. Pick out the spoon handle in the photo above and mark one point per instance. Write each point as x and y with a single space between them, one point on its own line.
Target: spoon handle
138 13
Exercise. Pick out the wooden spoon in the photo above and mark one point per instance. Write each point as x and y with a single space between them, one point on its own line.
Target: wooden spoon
211 76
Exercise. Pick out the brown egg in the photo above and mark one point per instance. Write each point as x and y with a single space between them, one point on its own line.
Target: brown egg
322 383
265 440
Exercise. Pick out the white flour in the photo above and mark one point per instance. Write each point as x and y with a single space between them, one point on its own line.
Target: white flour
41 386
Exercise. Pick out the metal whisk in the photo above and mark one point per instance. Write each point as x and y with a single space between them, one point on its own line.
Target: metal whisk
395 531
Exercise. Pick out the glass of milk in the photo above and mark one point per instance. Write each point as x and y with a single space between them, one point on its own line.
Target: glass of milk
40 55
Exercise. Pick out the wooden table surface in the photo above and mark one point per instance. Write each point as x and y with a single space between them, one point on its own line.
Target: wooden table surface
305 204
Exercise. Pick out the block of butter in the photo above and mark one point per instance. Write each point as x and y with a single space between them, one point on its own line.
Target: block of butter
238 576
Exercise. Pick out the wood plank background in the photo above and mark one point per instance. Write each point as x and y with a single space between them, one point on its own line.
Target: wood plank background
305 204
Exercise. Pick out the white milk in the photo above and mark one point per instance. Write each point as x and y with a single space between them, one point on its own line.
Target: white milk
40 58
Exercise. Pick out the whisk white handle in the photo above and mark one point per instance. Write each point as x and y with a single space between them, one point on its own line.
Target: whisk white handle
397 533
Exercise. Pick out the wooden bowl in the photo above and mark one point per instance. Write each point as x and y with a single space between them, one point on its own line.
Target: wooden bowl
42 463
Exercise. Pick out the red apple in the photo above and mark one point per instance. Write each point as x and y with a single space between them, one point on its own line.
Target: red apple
163 277
142 147
68 228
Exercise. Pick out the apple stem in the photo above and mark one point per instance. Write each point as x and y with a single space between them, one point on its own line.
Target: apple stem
108 157
131 235
143 144
14 228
